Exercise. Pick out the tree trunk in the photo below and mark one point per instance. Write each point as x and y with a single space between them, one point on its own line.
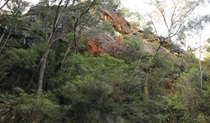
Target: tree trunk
50 41
200 63
41 72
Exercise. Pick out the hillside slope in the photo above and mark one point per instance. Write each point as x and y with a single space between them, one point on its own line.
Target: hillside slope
84 63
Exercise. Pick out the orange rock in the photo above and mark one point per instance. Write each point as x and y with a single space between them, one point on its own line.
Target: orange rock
118 39
104 44
93 46
119 23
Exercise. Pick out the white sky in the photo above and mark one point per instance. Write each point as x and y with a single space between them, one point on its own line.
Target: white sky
33 1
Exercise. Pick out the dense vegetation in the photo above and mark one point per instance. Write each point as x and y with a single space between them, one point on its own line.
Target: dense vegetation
79 87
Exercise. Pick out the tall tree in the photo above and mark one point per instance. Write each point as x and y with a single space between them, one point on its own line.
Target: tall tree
50 41
196 27
171 15
80 15
15 10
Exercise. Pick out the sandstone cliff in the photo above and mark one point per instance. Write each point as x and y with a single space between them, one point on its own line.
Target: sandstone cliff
103 42
112 44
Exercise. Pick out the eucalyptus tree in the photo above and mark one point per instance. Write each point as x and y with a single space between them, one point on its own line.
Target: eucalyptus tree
10 33
195 28
61 9
11 19
169 16
79 15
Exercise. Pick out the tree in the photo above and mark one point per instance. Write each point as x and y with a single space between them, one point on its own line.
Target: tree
78 25
171 15
12 23
5 3
11 38
50 41
195 27
91 88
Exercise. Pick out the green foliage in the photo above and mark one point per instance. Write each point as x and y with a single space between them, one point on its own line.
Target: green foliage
23 58
135 23
79 88
123 12
90 85
133 50
19 63
148 31
108 27
22 107
187 103
112 4
134 17
17 6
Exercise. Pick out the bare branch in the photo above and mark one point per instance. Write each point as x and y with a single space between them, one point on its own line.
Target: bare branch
4 5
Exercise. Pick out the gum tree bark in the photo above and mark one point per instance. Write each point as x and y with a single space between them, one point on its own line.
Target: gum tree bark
50 41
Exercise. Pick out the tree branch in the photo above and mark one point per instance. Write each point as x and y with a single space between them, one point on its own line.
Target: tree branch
4 5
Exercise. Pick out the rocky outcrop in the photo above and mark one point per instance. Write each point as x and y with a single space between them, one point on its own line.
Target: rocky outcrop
119 23
39 10
35 10
104 43
111 44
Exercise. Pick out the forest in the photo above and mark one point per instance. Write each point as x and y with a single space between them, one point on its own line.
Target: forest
82 61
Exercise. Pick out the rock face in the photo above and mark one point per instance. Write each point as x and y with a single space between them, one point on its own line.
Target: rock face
119 23
112 44
38 10
104 44
35 10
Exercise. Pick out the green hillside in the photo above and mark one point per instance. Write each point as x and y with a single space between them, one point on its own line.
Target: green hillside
83 62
